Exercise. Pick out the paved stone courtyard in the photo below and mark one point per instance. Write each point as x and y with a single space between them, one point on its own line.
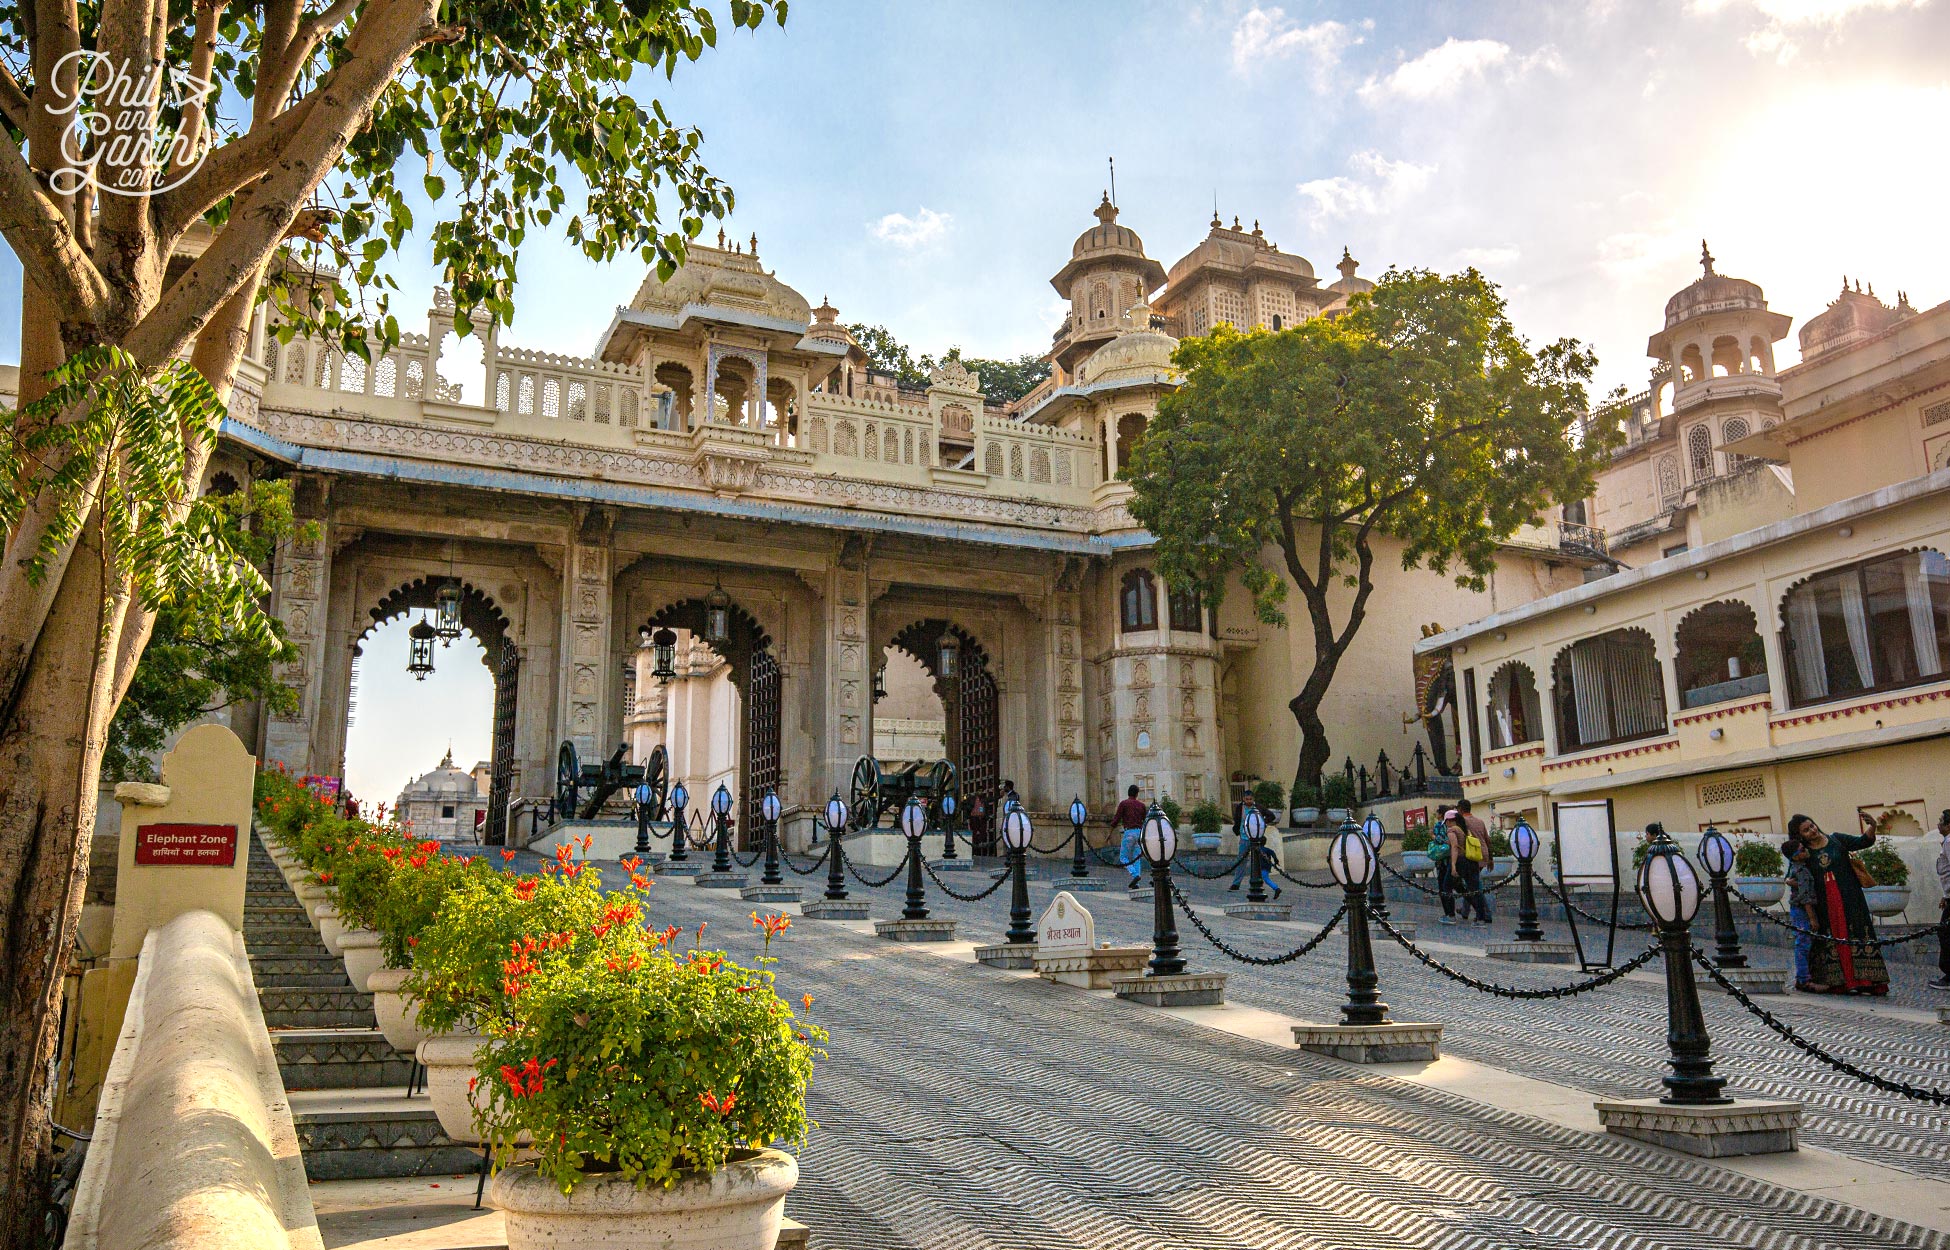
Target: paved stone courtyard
966 1107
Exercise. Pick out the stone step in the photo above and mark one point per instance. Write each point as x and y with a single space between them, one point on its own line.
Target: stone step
290 910
280 933
332 980
262 949
358 1134
273 965
300 1007
339 1059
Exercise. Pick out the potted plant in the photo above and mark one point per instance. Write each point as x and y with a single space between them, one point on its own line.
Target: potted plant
1207 817
1337 796
1270 795
1757 869
1889 896
486 930
1503 860
1415 852
1306 805
653 1087
409 905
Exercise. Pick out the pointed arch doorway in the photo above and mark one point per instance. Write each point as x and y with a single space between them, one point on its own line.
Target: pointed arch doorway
969 700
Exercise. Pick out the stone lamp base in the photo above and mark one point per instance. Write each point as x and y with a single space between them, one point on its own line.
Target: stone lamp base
1741 1127
929 930
1015 956
835 909
1533 952
762 893
1187 989
1371 1043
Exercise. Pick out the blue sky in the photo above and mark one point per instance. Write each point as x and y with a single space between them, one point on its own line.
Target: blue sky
927 165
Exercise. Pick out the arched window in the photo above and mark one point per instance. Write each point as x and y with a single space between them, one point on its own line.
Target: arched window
1514 714
1699 452
1670 486
1718 654
1138 601
1735 428
1878 625
1608 689
1187 613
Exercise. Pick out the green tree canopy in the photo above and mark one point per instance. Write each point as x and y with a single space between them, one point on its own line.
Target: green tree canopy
1002 380
1420 415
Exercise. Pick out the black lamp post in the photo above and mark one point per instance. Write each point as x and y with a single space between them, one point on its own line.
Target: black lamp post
721 812
1160 843
644 794
1716 856
1668 885
836 815
1352 860
1078 814
1016 834
1252 831
1523 841
680 798
1376 833
914 823
948 825
769 808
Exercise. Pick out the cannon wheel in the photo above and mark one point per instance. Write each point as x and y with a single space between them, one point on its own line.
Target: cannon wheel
657 774
568 776
866 792
944 782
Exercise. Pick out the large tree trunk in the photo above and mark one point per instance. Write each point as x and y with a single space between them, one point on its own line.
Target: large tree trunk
51 742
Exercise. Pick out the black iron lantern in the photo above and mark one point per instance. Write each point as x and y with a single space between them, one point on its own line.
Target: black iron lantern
663 644
446 612
949 657
419 660
880 683
717 615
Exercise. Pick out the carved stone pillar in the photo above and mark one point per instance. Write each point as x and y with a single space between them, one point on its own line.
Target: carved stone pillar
300 591
843 644
587 599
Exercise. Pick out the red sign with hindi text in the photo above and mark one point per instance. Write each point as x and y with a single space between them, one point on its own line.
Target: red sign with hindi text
193 846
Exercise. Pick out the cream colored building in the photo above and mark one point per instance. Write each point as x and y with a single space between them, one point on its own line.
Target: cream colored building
1794 659
445 804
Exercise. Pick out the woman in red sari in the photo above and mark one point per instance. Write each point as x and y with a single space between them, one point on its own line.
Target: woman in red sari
1844 964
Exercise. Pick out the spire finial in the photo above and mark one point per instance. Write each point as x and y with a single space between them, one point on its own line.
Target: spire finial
754 245
1348 264
721 238
1705 260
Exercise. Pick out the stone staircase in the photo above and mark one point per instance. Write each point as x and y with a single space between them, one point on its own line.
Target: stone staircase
347 1085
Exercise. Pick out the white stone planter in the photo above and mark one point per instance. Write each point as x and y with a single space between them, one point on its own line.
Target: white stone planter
1761 891
395 1009
1886 900
1417 863
325 918
1304 815
737 1207
449 1061
1339 815
360 950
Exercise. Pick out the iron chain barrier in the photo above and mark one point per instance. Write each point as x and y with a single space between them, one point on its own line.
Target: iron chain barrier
1510 991
875 885
966 898
1917 1093
818 865
1855 942
1594 919
1257 961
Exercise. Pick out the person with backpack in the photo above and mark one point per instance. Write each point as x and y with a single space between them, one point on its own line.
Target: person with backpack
1469 859
1445 877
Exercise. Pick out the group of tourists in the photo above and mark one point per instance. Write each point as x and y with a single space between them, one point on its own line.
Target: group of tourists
1835 949
1459 847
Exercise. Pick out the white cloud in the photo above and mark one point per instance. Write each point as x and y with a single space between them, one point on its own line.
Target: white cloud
1443 71
1783 18
911 233
1378 185
1488 258
1265 35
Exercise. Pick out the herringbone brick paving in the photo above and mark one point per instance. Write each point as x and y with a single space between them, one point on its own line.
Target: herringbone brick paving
963 1107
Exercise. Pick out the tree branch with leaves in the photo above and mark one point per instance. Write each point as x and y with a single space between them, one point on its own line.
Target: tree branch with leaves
1419 416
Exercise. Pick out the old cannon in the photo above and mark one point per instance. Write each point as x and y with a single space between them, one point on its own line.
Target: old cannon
878 789
572 777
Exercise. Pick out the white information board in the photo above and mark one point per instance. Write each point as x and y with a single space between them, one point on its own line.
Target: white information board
1586 850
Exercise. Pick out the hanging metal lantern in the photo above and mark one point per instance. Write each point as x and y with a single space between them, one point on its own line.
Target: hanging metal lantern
880 683
419 660
717 615
446 613
664 643
949 657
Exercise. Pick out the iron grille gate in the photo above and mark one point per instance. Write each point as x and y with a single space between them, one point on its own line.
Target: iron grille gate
761 739
980 741
501 778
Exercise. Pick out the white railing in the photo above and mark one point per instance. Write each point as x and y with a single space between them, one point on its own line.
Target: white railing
405 372
869 431
1037 454
526 383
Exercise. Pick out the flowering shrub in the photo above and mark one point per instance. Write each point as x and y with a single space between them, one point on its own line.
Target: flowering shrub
420 884
617 1053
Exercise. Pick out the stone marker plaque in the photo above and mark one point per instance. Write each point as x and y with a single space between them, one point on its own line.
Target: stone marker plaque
199 846
1065 928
